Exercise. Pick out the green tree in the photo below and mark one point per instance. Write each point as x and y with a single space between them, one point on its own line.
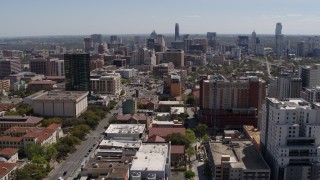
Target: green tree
205 138
122 92
80 131
34 149
190 137
176 139
50 152
30 172
39 160
190 151
24 109
90 115
201 130
189 174
55 120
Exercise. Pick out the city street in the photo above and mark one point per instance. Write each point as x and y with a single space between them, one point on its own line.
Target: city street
74 160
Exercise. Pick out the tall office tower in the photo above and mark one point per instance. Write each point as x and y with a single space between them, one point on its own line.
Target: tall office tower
113 39
243 43
203 42
288 47
310 75
88 44
187 44
231 103
77 72
96 38
301 50
212 41
176 56
278 39
176 32
9 66
150 43
290 138
287 85
253 42
101 48
160 40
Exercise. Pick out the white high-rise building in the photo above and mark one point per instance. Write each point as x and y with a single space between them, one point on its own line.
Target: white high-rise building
290 138
143 56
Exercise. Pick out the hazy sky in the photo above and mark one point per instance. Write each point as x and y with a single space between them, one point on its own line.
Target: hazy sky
82 17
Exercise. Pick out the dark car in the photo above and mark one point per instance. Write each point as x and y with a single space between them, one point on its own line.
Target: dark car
64 173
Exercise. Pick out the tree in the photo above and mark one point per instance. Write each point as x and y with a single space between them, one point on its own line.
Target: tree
24 109
80 131
30 172
47 122
176 139
201 130
190 137
122 92
39 160
205 138
189 174
34 149
190 151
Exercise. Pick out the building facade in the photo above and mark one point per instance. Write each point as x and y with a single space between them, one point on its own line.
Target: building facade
290 134
77 72
109 83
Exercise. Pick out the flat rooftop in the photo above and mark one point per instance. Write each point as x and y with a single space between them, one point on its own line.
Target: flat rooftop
120 144
177 110
151 157
125 129
170 102
243 155
293 103
62 95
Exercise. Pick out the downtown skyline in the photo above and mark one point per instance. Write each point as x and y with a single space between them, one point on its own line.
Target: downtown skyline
49 18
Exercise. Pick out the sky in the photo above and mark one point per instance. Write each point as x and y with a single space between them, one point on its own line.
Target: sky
84 17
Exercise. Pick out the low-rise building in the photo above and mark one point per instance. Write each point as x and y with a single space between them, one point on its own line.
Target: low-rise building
129 106
109 83
133 119
7 122
41 85
127 73
118 148
9 155
164 106
125 131
177 154
236 160
6 170
152 161
60 103
164 132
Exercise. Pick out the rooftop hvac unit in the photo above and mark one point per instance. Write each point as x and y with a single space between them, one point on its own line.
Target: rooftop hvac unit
136 176
152 176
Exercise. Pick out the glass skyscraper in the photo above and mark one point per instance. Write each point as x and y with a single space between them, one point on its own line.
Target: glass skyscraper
77 72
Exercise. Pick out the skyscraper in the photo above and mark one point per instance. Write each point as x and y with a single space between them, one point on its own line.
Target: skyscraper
88 44
176 32
253 41
77 72
279 39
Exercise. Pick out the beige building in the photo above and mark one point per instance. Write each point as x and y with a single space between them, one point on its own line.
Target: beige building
60 103
107 84
5 85
176 56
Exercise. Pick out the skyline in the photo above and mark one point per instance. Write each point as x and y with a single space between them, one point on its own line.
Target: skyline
51 18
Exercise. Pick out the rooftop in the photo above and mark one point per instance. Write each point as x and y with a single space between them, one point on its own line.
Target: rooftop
62 95
177 149
5 168
170 102
20 119
243 154
292 103
177 110
119 144
126 128
8 151
148 154
252 132
137 117
163 132
42 82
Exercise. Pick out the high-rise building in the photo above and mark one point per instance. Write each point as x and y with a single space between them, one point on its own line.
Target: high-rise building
96 38
109 83
243 43
212 39
301 49
77 72
310 75
311 94
176 56
9 66
41 66
143 56
278 39
176 32
203 42
231 103
287 85
289 138
253 41
113 39
88 44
